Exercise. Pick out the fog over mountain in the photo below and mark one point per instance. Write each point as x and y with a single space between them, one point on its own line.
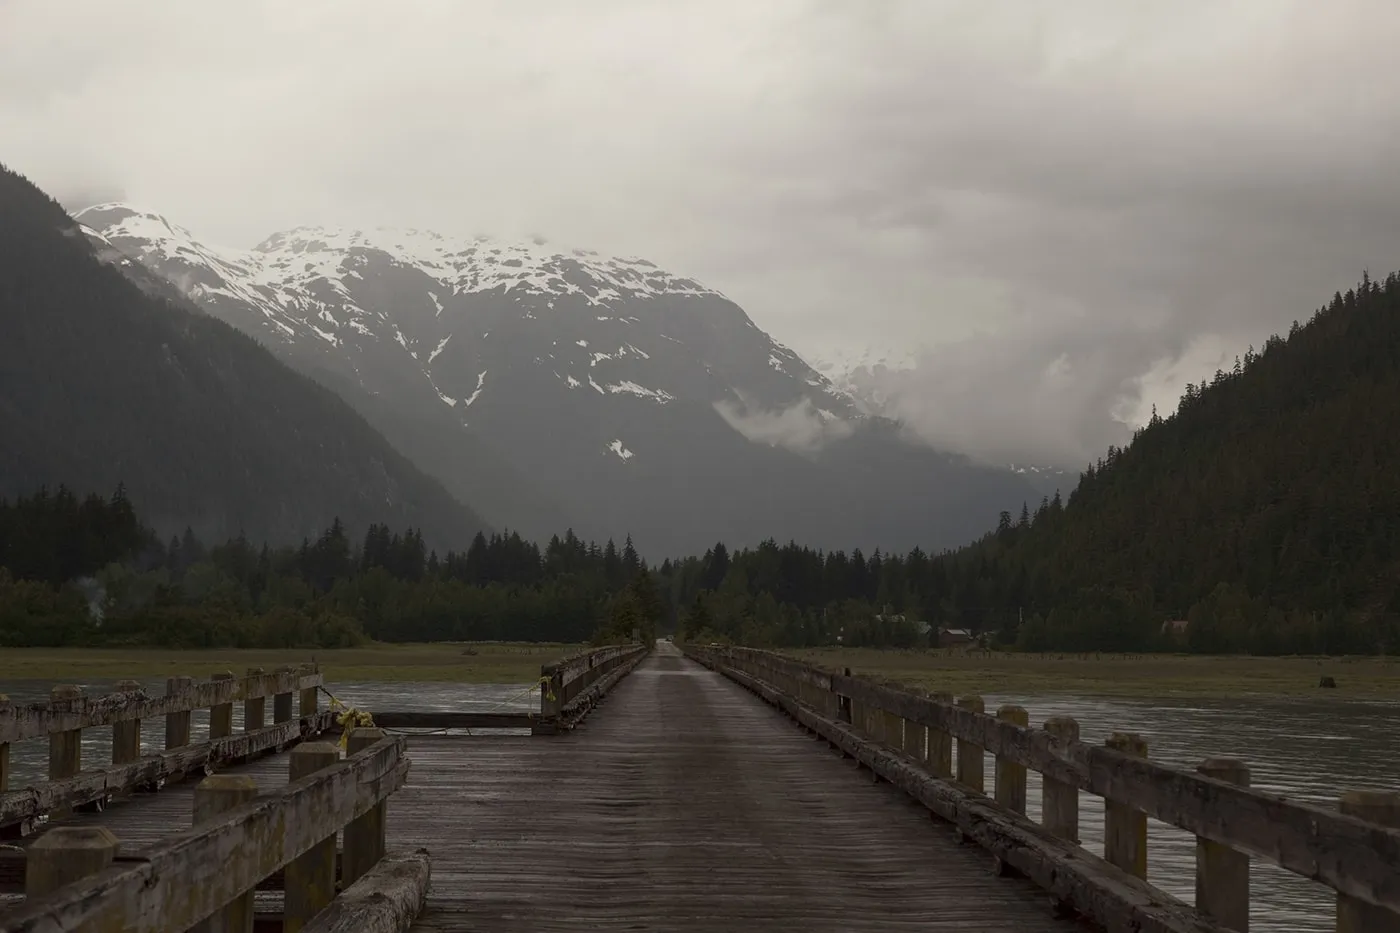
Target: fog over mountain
1068 213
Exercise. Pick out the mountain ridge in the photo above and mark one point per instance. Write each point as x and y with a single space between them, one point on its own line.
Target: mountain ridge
109 378
572 390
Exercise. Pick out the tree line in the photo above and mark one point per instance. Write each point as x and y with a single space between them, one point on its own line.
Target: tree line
1264 513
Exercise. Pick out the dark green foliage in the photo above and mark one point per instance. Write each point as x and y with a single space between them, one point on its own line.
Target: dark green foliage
101 383
1266 510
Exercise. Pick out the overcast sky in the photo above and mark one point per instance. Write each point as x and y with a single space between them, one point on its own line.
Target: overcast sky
1076 205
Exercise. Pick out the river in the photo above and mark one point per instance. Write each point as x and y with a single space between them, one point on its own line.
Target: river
1305 748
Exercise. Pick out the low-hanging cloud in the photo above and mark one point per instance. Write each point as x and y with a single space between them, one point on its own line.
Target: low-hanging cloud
799 427
1074 210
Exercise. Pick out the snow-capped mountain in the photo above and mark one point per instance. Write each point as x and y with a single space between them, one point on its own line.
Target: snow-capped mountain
552 387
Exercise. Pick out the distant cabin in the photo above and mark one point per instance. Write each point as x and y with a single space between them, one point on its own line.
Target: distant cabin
1175 627
952 637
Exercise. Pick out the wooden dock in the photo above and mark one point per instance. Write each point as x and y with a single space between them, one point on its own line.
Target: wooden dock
685 805
716 789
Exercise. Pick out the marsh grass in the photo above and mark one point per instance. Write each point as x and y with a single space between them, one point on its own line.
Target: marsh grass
1146 675
457 662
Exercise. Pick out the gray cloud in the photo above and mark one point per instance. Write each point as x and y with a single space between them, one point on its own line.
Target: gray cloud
799 427
1075 206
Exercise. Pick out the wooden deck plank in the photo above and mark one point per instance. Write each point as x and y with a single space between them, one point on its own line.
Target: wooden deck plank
686 804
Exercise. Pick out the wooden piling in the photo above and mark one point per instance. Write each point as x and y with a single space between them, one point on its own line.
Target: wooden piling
940 744
892 724
1059 802
5 706
971 767
126 734
915 736
1124 828
1010 776
66 854
177 725
254 708
1222 873
310 878
551 701
215 796
306 703
1383 808
364 837
282 702
65 748
221 716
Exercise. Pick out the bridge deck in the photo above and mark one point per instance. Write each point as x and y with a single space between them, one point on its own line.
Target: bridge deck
685 804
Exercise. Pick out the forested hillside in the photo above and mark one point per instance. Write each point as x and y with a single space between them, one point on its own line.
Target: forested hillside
1266 510
103 383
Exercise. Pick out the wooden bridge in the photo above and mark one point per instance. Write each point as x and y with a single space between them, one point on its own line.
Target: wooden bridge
732 789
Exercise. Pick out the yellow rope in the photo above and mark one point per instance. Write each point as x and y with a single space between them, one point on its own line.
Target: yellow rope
350 719
353 718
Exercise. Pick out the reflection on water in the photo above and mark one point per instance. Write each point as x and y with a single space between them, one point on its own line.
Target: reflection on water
1306 749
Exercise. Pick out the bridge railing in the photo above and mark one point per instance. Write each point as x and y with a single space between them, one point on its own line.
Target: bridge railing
909 738
571 686
69 712
205 878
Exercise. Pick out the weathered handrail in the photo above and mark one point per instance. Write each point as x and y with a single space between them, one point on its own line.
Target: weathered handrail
239 839
68 712
908 738
570 687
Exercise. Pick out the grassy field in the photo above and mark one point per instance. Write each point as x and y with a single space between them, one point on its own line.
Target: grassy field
1117 675
481 663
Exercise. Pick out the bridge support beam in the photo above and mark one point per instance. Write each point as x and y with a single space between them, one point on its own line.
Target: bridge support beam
1059 802
1222 873
310 878
1124 828
66 854
214 796
1353 916
971 767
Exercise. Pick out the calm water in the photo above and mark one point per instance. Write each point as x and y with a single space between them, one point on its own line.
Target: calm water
1303 748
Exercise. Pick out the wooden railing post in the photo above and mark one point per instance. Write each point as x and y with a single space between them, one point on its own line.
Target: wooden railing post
971 767
940 744
1222 873
1124 828
126 735
221 715
177 725
1010 776
1382 808
254 708
215 795
5 705
364 837
66 854
1059 802
892 727
65 748
306 703
309 881
550 700
915 735
282 702
855 709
